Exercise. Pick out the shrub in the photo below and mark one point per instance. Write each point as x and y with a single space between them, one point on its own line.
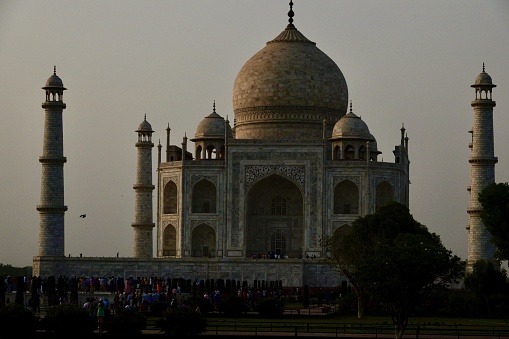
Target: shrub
68 318
182 322
205 305
18 318
233 306
157 308
126 323
270 307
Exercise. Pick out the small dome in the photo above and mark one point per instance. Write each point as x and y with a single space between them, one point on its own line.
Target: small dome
144 126
483 79
54 81
212 127
352 127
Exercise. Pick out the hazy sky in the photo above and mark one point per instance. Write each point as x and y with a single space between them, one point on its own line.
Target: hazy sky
408 62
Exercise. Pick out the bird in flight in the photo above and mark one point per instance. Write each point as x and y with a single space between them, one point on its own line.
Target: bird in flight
83 216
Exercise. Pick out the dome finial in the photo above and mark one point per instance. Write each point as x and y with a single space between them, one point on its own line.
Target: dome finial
351 111
290 15
214 107
54 69
483 68
145 118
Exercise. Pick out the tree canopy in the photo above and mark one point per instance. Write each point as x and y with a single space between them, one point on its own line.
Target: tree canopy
486 281
392 256
495 216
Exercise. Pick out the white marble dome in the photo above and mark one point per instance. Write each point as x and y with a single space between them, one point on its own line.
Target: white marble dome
144 126
212 127
287 89
352 127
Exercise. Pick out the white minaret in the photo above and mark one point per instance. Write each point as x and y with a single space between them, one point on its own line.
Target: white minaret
51 208
482 169
143 223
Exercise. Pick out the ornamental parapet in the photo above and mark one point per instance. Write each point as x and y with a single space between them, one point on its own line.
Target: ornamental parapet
361 164
206 162
46 160
171 164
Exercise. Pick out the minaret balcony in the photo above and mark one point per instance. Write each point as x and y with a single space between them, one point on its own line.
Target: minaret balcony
54 104
483 160
48 208
142 187
472 210
145 144
59 160
483 103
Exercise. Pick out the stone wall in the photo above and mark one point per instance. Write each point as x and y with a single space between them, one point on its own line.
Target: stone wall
292 272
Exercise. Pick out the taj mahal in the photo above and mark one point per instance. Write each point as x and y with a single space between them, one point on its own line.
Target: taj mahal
253 199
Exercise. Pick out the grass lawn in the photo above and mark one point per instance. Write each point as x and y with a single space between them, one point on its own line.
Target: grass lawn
351 324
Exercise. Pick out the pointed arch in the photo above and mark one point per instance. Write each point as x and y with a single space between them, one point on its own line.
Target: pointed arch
346 198
204 197
336 153
221 153
170 198
203 241
211 152
349 152
362 152
169 241
198 152
384 193
274 217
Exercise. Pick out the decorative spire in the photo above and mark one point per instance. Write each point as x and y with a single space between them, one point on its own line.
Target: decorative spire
145 118
55 69
214 107
483 68
351 111
290 15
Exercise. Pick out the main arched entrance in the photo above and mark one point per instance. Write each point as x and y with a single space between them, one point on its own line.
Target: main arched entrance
274 218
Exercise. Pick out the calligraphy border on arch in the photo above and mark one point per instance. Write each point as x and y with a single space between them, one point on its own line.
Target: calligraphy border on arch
390 180
209 222
173 178
197 177
296 172
355 179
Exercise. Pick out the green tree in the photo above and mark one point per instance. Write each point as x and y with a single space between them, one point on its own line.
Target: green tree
348 252
495 216
485 281
390 255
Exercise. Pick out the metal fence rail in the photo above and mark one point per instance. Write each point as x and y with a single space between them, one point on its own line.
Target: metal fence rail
334 330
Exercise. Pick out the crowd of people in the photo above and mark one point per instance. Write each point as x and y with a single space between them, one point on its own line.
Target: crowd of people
141 292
